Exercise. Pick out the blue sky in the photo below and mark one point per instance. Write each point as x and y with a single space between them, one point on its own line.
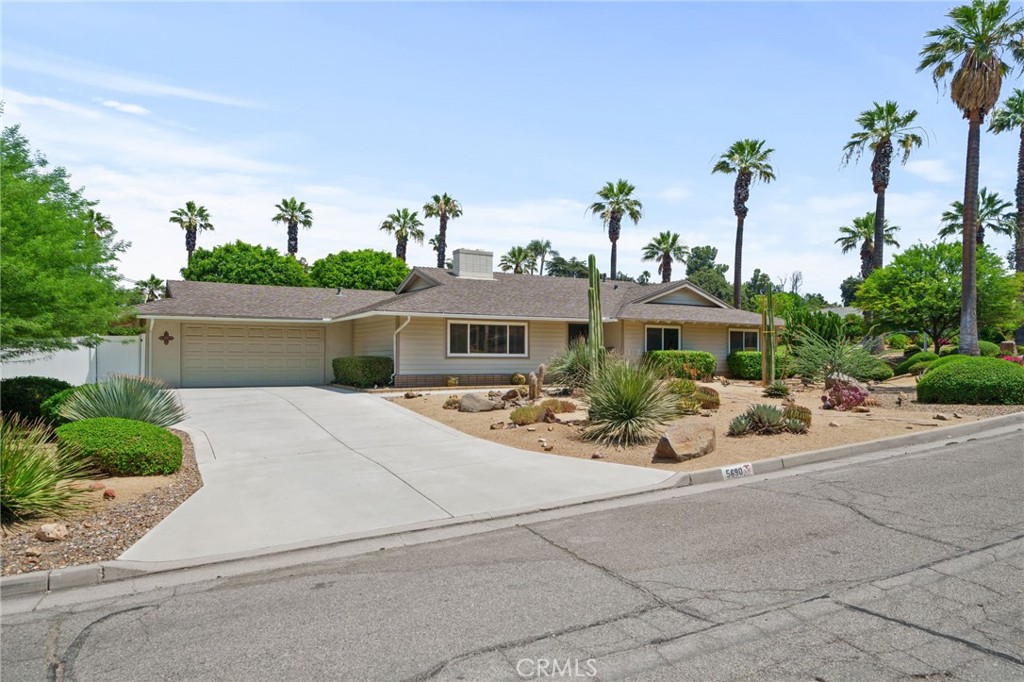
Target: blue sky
521 111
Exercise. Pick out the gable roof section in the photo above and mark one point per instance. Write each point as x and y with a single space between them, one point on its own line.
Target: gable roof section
685 285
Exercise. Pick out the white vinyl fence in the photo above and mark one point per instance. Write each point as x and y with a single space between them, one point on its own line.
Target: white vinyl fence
114 355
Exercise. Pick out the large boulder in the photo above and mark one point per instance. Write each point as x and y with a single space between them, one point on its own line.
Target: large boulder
476 402
839 378
685 441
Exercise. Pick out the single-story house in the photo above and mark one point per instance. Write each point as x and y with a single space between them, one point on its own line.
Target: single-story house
469 322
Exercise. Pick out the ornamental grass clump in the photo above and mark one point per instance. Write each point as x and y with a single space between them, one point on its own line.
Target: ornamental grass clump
628 403
571 366
127 397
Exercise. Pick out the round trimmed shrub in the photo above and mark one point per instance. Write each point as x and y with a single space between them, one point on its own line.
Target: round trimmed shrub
745 364
945 360
974 381
897 341
923 356
123 447
25 395
911 350
880 372
988 349
948 350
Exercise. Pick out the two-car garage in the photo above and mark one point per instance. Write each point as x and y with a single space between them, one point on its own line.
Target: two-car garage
215 354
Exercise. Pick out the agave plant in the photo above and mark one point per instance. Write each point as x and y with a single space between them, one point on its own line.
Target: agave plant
768 419
740 425
571 366
628 403
129 397
776 389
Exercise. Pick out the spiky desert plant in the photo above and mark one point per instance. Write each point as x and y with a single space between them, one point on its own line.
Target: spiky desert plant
776 389
740 425
798 412
794 425
129 397
766 418
571 365
815 357
628 404
689 405
595 322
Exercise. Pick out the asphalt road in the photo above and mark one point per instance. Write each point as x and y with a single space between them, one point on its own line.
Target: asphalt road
907 568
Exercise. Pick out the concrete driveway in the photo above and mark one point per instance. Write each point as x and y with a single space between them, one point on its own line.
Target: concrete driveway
291 467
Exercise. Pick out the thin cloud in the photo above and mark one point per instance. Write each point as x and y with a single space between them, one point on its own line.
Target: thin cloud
125 108
932 170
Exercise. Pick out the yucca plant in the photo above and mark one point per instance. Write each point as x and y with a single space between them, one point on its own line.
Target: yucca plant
570 366
815 358
129 397
36 479
628 404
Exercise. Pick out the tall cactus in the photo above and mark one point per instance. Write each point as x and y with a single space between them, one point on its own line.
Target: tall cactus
595 338
768 327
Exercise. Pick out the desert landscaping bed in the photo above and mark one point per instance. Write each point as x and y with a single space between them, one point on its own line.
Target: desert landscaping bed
109 526
893 413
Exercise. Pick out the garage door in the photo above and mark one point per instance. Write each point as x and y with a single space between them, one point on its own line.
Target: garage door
252 355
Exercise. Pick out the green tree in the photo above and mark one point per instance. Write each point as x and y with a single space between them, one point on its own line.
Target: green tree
363 269
704 258
293 213
971 49
848 289
862 234
749 161
444 208
540 249
571 267
151 289
881 126
921 290
193 219
59 280
241 263
994 213
405 226
517 260
665 248
1011 117
616 202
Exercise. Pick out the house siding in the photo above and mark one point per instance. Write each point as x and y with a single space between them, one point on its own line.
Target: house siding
373 336
165 359
684 297
708 338
337 344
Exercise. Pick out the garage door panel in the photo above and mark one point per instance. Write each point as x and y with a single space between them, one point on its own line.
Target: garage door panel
252 355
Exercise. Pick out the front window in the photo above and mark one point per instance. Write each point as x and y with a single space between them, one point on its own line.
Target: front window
743 340
578 332
662 338
467 338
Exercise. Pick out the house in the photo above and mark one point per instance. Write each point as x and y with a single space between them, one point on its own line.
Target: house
469 322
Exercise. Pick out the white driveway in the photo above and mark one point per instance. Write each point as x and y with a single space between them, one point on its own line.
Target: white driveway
287 467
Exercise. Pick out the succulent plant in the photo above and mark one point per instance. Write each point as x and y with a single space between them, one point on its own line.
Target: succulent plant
776 389
740 426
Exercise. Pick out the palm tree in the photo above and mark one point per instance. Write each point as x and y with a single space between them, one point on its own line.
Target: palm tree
193 219
152 288
862 234
665 248
749 160
404 226
99 224
518 259
540 249
442 207
616 201
881 127
994 213
970 48
1007 118
294 213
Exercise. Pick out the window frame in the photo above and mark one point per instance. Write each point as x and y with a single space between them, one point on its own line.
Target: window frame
679 331
755 332
486 323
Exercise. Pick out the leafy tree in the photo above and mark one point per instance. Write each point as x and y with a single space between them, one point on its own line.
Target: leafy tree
193 219
241 263
517 260
711 281
363 269
749 160
862 234
571 267
405 226
99 224
971 48
444 208
816 301
758 284
540 249
59 278
151 289
881 126
1009 117
848 289
616 202
293 213
921 290
703 258
994 213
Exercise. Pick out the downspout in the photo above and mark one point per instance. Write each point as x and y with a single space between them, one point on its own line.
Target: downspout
394 346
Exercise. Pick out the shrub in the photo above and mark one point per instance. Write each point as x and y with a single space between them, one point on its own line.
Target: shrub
948 350
518 379
122 447
527 414
897 341
942 362
127 397
799 413
745 364
685 364
35 478
707 397
558 406
911 350
570 366
682 387
921 367
25 395
452 403
628 404
50 408
988 349
765 420
923 356
776 389
1016 359
816 357
880 372
364 371
974 381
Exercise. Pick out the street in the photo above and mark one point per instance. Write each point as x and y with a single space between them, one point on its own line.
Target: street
905 568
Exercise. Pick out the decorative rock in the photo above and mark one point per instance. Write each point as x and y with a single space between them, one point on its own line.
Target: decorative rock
52 532
531 428
34 551
551 428
833 424
549 448
840 378
682 442
902 398
549 416
910 428
512 426
97 485
863 409
475 402
957 415
109 494
409 395
511 394
1008 347
598 455
941 417
496 426
86 524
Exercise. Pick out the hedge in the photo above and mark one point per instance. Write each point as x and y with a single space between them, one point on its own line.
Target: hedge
988 349
974 381
675 362
123 447
745 364
25 395
923 356
363 371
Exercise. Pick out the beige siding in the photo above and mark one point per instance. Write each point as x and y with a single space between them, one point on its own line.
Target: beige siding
165 359
708 338
338 345
613 335
684 297
373 336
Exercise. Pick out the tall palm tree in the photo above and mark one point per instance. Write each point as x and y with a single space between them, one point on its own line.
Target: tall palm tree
881 127
862 234
1009 117
518 260
99 224
540 249
442 207
971 48
405 226
750 161
193 219
293 213
152 288
994 213
665 248
616 201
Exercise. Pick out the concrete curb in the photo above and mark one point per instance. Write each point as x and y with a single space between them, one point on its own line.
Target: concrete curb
42 582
